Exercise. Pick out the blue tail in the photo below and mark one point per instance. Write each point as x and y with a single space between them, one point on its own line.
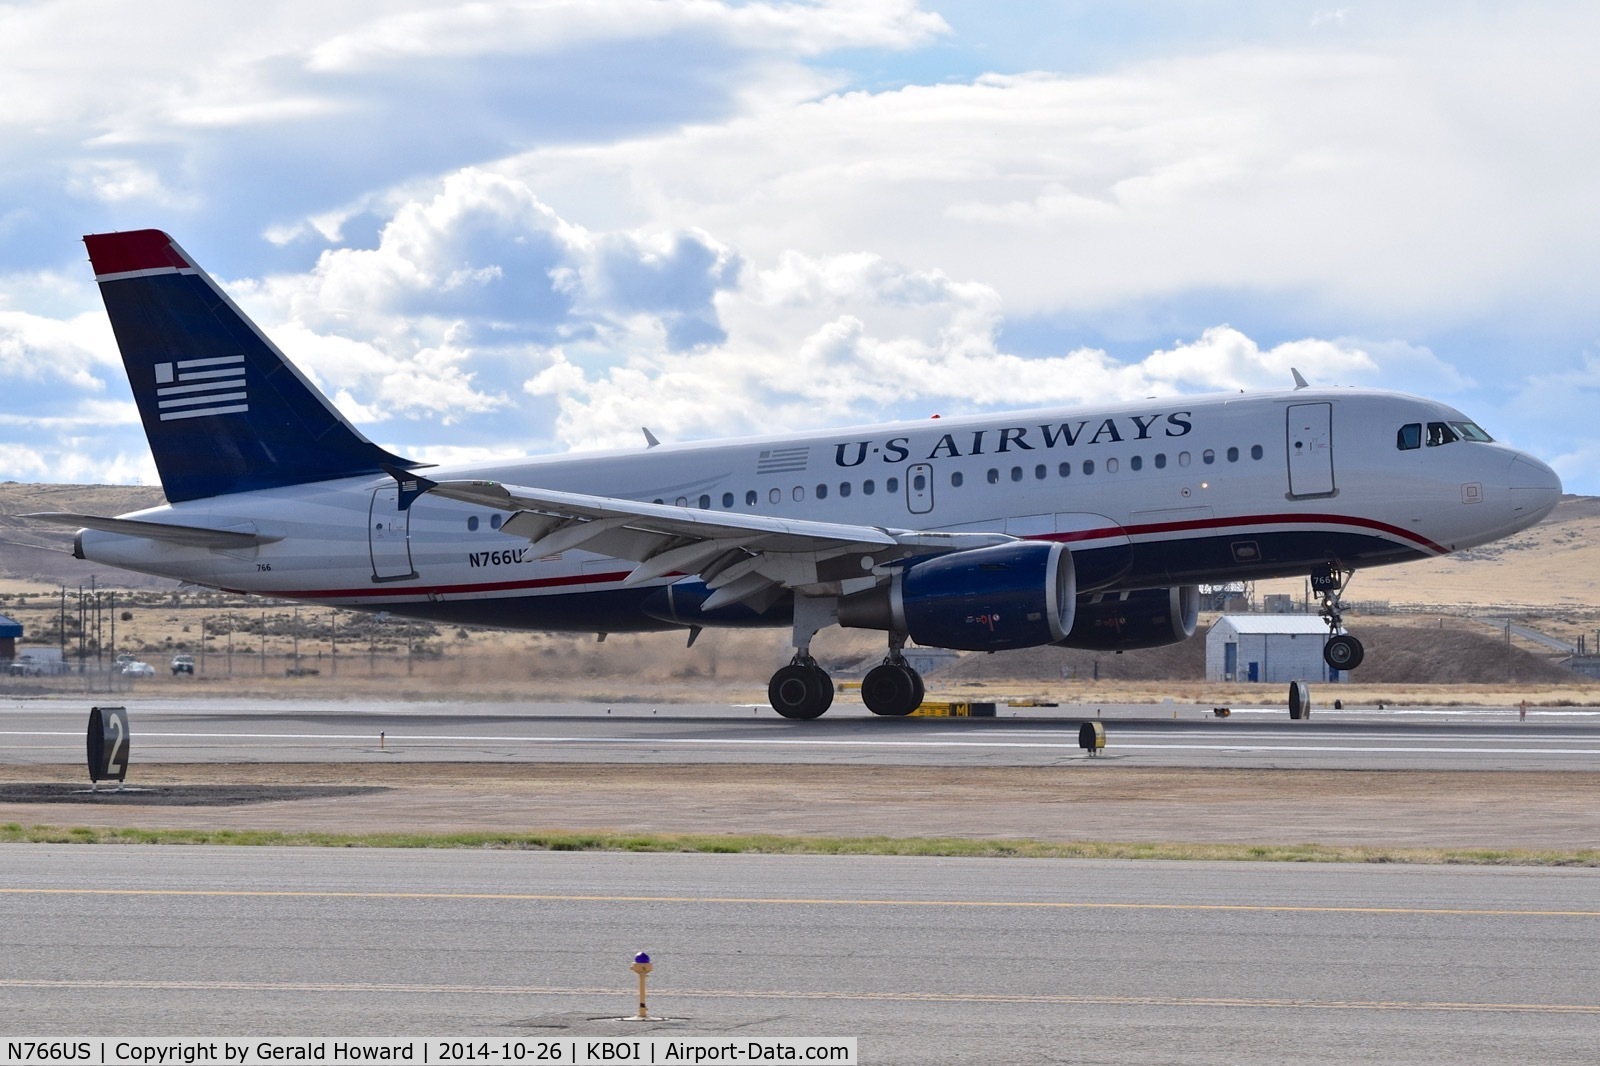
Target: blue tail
223 409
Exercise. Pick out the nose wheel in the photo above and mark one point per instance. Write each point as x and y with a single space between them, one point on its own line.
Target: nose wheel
1342 651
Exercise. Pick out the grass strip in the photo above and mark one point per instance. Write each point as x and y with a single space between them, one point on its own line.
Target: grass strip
770 844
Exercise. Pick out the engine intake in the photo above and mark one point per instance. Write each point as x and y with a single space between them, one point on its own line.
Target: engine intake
987 599
1143 618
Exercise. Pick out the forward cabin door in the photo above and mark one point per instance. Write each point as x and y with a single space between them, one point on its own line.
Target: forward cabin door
1310 444
389 537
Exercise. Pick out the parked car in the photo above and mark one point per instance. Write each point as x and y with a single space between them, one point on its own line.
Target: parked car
182 664
138 669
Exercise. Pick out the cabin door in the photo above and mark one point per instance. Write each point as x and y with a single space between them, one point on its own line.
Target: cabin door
1310 444
389 537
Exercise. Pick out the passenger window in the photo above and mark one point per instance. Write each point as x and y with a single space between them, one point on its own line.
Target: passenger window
1256 451
868 488
822 492
1016 473
1041 472
1439 433
1111 466
994 476
798 494
1233 455
472 523
775 496
1088 467
682 501
1161 460
892 485
727 500
1136 463
844 488
1208 457
749 498
1065 469
956 479
705 503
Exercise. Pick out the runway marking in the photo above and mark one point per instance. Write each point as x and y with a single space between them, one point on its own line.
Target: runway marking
780 994
1066 743
534 897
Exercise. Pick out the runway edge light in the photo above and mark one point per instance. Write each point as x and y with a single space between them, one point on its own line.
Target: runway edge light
642 966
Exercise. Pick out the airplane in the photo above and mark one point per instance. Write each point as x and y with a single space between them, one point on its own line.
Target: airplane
1084 527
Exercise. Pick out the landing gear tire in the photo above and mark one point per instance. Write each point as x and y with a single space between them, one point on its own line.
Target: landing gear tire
800 690
892 689
1343 652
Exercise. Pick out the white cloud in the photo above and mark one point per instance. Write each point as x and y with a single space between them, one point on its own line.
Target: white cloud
544 26
1392 181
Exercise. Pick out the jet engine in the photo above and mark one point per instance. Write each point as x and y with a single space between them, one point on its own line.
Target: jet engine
1143 618
986 599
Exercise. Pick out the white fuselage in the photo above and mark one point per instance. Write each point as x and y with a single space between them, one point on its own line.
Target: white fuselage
1162 492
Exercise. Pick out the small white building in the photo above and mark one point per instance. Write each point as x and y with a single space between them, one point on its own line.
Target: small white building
1274 648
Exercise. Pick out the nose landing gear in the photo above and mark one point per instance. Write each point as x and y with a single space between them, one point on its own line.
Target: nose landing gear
1342 651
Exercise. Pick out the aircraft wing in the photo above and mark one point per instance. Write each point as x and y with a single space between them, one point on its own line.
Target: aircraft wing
746 558
192 536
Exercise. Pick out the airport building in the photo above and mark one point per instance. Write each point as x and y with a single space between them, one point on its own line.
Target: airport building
1275 648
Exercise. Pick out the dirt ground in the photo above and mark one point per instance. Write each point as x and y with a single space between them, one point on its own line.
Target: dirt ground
1084 801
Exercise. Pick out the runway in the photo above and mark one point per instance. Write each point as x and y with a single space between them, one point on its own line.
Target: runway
924 961
1148 735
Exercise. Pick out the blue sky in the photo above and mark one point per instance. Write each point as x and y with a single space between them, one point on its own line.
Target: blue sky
498 228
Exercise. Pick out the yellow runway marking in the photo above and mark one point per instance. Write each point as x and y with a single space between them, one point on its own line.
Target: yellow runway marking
777 994
530 897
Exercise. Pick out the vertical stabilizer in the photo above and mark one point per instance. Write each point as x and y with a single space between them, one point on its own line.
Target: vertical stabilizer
222 407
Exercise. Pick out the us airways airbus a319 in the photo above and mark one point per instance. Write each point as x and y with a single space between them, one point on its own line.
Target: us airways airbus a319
1086 527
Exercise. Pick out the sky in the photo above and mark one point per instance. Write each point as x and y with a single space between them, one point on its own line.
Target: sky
490 229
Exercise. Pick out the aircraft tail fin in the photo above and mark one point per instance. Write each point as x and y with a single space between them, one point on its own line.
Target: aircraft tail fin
224 410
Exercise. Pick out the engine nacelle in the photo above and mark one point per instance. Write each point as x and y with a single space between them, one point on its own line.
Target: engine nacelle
1144 618
985 599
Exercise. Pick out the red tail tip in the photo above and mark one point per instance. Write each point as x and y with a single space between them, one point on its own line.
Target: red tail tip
140 249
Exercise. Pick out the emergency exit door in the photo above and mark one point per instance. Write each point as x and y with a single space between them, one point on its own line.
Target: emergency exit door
1310 444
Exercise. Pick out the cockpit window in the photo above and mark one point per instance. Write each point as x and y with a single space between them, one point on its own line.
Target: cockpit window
1440 433
1410 436
1470 431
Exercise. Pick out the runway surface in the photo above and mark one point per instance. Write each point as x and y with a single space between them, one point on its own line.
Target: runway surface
924 961
1150 735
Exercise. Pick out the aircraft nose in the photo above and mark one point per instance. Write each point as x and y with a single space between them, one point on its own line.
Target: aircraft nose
1535 489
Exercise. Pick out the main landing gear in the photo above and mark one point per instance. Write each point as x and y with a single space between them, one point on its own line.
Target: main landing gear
804 690
892 688
1342 651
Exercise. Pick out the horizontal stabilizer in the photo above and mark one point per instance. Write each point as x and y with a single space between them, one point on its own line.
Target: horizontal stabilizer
192 536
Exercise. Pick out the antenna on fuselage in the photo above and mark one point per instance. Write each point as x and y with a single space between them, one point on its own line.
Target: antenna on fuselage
1299 381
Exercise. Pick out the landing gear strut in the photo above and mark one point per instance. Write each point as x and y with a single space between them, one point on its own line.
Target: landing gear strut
892 688
1342 651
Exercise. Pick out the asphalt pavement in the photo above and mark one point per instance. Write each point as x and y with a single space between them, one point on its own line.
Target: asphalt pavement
924 961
